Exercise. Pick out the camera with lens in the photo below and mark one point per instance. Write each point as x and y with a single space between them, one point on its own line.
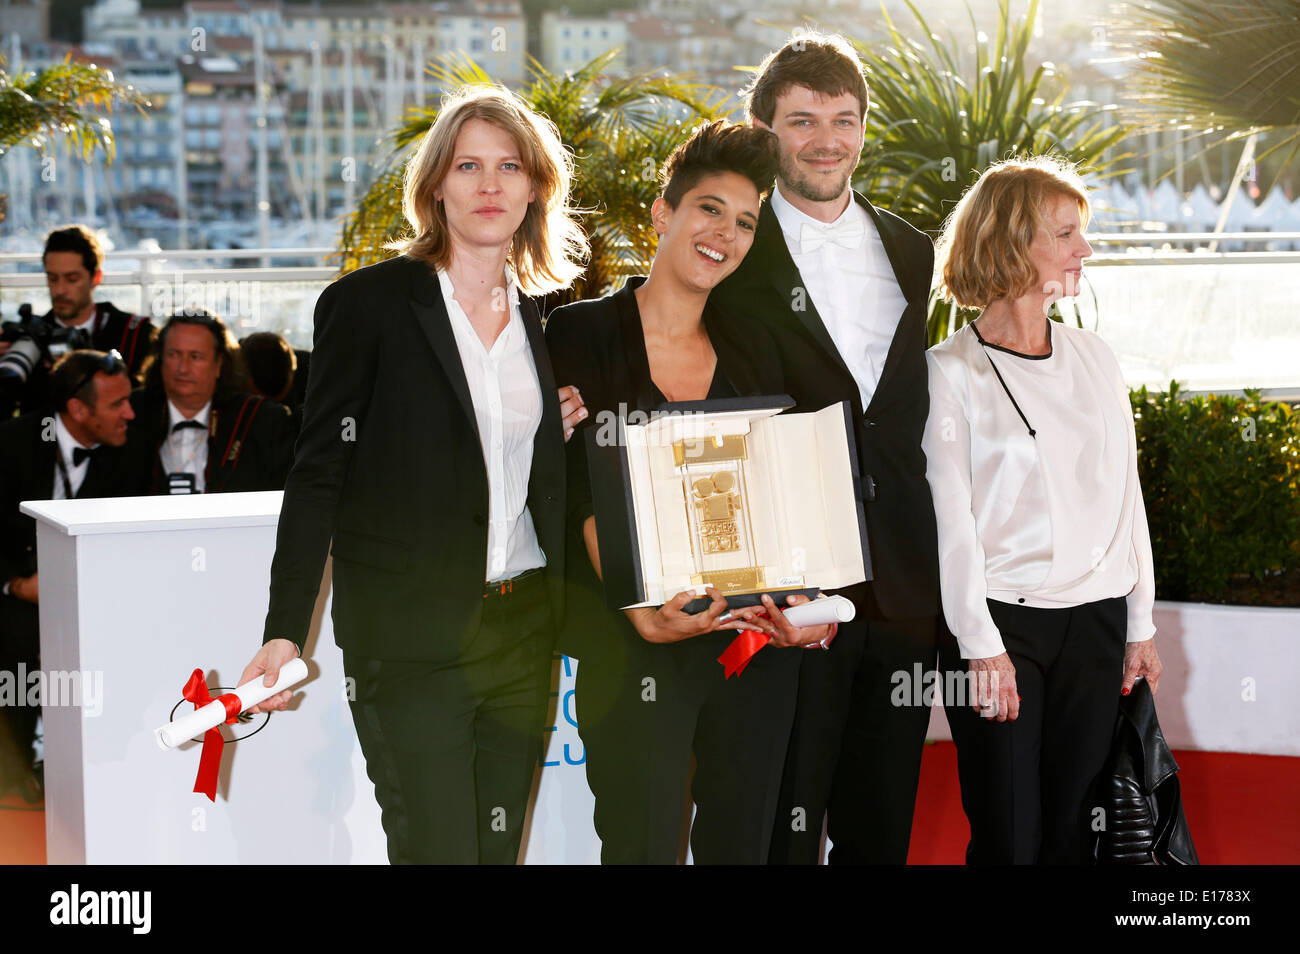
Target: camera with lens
35 338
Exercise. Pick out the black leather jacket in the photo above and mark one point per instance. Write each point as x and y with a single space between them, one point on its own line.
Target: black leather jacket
1140 793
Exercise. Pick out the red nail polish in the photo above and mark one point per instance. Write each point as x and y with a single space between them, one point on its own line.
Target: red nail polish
1123 692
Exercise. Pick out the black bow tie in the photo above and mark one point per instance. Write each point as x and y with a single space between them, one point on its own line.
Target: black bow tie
181 425
81 453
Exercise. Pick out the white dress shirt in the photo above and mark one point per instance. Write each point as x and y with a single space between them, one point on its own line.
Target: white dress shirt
847 274
1055 520
186 451
508 408
76 472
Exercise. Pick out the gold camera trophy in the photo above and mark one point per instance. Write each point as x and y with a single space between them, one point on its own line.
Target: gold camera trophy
717 504
730 494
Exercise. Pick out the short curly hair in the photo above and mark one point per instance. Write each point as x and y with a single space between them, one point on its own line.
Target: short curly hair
982 255
716 147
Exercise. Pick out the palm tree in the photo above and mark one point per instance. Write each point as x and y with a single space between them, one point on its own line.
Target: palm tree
620 131
939 118
1226 68
63 99
66 99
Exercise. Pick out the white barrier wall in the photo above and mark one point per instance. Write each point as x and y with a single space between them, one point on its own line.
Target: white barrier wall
138 592
1229 679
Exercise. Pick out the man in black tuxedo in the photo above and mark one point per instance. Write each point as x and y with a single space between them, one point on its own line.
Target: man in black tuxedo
843 287
74 449
197 432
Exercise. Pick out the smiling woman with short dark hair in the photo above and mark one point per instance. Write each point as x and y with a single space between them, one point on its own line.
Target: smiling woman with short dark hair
656 340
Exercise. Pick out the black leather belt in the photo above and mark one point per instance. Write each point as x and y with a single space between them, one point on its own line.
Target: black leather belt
502 588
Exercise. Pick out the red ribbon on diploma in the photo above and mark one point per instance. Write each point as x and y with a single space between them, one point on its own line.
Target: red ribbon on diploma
743 648
196 691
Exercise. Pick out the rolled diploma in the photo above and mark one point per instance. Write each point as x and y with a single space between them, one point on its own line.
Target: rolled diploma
818 612
214 713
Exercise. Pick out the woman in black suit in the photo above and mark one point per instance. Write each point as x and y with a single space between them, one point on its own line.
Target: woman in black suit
650 690
431 453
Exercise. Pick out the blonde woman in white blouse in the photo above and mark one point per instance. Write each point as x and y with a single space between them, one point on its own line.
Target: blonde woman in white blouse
1044 554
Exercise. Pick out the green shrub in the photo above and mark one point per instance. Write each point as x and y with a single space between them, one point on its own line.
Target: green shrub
1221 480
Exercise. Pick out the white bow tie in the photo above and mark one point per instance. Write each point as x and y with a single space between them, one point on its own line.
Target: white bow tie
846 234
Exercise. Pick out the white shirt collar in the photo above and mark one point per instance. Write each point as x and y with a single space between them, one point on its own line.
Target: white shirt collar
512 285
792 219
174 416
67 443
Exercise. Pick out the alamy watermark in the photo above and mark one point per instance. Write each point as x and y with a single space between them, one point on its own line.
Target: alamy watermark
53 688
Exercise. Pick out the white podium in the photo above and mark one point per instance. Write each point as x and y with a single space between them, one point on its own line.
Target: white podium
136 593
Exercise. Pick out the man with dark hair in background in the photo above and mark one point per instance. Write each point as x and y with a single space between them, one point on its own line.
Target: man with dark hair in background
74 451
73 263
198 432
844 289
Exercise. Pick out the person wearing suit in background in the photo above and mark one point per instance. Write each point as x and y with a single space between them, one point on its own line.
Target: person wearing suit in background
1048 581
72 261
657 340
75 450
432 455
843 288
198 432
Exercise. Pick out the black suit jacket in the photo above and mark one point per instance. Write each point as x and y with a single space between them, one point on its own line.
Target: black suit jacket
390 468
27 472
250 441
598 346
900 512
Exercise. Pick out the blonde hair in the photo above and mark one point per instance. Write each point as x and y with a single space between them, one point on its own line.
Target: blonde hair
549 249
982 255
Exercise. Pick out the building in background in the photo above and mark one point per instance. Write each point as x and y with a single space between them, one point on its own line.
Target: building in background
569 43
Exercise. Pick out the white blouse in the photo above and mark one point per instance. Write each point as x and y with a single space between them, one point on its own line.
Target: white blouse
507 400
1054 520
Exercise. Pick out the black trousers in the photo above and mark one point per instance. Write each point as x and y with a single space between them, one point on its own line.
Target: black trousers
20 645
644 713
452 748
1029 786
855 755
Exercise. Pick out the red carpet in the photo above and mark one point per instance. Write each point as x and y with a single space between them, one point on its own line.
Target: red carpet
1242 809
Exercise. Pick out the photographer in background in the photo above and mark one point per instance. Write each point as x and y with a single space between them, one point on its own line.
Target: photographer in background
30 346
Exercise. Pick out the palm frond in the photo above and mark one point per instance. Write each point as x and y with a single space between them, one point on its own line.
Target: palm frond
1225 68
940 115
70 99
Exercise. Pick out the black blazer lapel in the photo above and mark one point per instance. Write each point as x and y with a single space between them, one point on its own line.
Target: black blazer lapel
431 313
785 278
542 362
915 289
100 474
